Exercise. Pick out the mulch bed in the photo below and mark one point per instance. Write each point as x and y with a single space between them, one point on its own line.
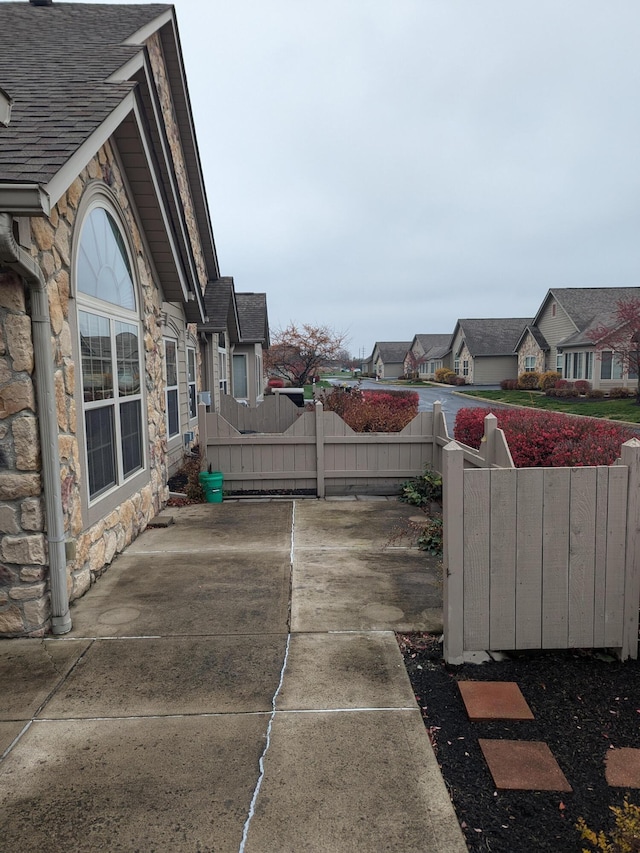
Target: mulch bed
584 703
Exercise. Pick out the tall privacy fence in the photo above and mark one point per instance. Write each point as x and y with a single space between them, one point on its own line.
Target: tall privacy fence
279 447
534 558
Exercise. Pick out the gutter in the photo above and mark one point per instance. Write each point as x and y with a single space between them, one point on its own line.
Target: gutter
17 259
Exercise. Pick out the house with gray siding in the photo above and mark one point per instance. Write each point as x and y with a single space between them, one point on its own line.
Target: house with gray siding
560 336
106 250
388 358
483 350
426 354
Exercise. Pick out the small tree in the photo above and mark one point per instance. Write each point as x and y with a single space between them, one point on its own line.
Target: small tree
297 353
621 337
412 364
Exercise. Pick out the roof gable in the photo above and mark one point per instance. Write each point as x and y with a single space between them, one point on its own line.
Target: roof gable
252 316
491 337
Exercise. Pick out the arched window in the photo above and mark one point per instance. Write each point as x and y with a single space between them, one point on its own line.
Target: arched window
109 329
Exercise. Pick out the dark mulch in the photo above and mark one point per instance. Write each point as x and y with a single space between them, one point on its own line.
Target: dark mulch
583 705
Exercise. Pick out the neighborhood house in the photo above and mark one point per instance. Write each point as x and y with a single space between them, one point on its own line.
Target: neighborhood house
107 268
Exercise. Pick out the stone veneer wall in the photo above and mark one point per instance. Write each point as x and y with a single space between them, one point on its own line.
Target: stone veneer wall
24 600
530 347
465 355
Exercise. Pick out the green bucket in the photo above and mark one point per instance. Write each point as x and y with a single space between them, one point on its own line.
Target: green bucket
211 482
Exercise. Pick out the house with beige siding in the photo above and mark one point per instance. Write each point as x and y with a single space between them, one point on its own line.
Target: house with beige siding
560 337
106 249
426 354
388 358
483 350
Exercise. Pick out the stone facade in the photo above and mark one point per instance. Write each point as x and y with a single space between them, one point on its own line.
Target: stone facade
530 347
465 355
24 600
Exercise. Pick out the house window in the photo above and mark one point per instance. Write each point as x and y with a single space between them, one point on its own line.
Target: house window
191 382
559 363
171 386
553 309
610 367
465 367
529 364
111 360
222 362
240 376
588 365
456 366
259 379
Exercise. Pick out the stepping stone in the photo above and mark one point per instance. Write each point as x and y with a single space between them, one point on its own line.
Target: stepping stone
622 767
494 700
523 765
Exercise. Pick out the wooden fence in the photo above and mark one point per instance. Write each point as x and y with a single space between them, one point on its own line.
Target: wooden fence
541 558
316 452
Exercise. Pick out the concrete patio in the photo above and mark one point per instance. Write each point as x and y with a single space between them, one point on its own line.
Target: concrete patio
232 683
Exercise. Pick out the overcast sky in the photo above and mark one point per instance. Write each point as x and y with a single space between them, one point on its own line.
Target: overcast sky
387 166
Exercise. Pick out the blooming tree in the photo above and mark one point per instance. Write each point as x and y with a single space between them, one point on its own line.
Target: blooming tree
621 335
297 353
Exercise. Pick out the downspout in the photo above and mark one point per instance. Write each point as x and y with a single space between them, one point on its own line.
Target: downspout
17 259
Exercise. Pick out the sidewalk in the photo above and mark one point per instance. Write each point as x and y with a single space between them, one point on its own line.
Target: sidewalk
232 683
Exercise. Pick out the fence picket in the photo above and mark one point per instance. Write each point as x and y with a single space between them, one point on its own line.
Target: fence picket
474 528
529 559
502 558
582 548
555 557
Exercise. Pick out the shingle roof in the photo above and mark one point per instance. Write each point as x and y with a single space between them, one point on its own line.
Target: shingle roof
392 351
434 346
54 61
219 299
252 316
492 337
586 305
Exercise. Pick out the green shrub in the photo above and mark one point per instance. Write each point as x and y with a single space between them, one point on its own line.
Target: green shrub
529 381
549 379
423 490
430 539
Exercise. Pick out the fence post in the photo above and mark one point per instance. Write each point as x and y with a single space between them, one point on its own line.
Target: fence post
631 458
319 408
435 427
488 444
453 556
202 431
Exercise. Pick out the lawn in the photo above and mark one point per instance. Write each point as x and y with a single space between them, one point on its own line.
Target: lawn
613 410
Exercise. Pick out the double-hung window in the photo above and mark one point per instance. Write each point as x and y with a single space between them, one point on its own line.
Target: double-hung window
111 357
530 364
222 362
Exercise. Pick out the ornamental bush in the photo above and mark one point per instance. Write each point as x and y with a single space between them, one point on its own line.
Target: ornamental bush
546 439
595 394
444 374
509 384
549 379
582 386
373 411
620 393
529 381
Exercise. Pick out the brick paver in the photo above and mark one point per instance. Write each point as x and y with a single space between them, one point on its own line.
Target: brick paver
622 768
494 700
523 765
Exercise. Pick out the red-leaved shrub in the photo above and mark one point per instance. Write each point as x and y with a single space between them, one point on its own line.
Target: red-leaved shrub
582 386
546 439
374 411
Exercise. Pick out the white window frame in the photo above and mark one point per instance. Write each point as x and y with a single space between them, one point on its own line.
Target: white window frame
223 359
192 383
236 394
560 363
529 364
115 320
171 389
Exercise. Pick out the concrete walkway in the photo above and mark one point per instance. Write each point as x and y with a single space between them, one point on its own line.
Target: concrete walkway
232 685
